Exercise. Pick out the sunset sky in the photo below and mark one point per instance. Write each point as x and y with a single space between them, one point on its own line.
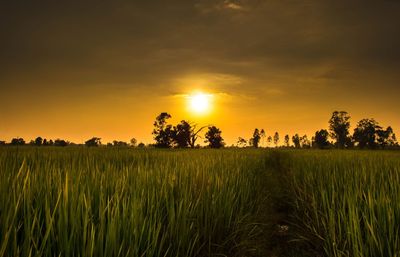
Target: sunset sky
78 69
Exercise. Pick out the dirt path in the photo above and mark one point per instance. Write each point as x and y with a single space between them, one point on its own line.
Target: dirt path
276 237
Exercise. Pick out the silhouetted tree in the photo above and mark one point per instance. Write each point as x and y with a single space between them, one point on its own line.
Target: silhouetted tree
305 143
2 142
162 132
17 141
50 143
262 135
194 134
296 141
269 140
365 133
182 134
241 142
119 143
339 125
38 141
287 141
321 139
276 139
60 142
141 145
214 138
386 137
133 142
256 138
93 142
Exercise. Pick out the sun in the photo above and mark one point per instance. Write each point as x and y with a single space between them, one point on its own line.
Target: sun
200 103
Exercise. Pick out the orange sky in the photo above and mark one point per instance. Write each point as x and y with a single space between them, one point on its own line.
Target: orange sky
77 70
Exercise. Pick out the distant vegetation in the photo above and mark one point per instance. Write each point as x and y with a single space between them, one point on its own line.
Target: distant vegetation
367 134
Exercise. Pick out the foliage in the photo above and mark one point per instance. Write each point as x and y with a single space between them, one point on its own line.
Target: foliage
296 141
61 142
241 142
182 134
214 138
321 139
133 142
339 125
287 141
17 141
38 141
162 131
255 140
120 143
93 142
276 139
386 137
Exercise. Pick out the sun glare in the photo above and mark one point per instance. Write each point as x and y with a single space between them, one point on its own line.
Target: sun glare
200 103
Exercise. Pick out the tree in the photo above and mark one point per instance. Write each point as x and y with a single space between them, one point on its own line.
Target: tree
93 142
120 143
296 141
269 140
386 137
17 141
305 143
162 132
38 141
133 142
321 139
214 138
365 133
256 138
241 142
60 142
2 142
262 135
182 134
194 134
276 139
141 145
339 125
287 139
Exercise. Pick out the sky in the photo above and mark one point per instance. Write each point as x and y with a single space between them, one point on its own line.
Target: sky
77 69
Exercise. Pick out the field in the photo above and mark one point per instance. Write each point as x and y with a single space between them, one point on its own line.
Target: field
78 201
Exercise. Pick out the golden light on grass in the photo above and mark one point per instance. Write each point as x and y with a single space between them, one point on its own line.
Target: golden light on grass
200 103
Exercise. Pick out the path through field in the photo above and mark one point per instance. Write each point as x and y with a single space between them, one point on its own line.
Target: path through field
277 236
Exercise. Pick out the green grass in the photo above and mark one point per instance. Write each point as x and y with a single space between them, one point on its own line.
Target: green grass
78 201
125 202
347 202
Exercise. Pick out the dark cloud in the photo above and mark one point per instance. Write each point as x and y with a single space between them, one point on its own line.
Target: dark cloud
285 49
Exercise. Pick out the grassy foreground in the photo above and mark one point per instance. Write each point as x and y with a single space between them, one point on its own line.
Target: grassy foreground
347 202
132 202
125 202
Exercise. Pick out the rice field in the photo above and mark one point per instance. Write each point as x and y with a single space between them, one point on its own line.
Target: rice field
347 202
78 201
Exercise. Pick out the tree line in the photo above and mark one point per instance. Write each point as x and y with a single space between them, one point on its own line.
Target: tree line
92 142
367 134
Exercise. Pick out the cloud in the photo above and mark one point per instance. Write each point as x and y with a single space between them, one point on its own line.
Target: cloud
233 6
